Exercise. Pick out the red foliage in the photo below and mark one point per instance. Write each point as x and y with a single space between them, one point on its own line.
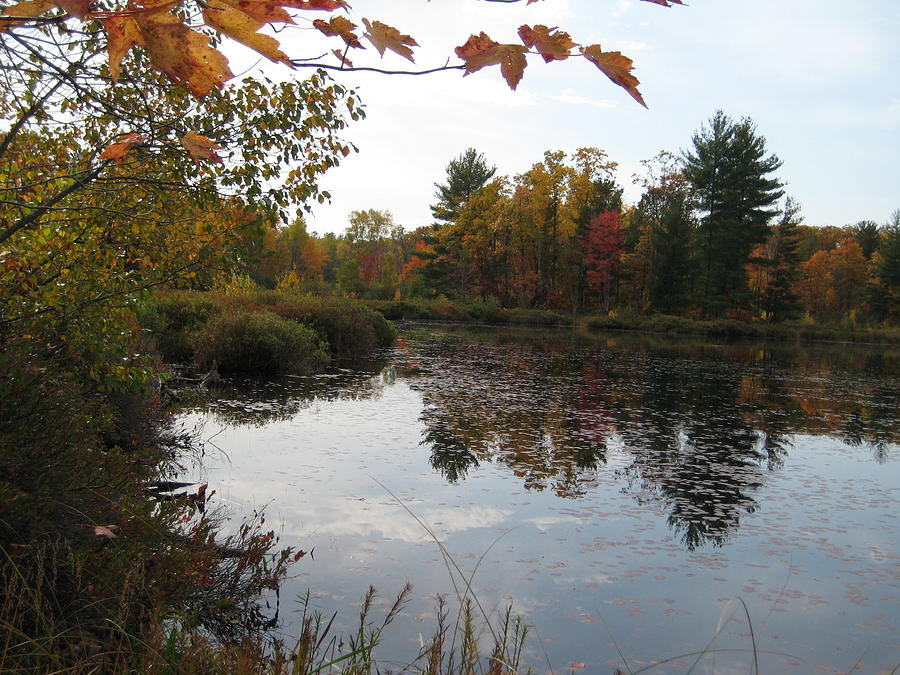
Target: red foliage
603 250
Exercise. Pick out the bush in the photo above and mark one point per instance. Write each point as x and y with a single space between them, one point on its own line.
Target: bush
351 329
177 315
258 342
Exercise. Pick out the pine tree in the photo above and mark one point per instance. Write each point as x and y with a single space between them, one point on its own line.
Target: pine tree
728 170
884 296
781 302
465 174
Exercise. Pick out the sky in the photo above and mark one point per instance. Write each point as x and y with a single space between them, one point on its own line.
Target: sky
820 79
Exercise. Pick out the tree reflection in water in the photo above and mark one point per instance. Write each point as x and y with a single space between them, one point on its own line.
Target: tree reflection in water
702 425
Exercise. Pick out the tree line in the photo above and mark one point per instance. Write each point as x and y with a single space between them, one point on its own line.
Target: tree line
712 235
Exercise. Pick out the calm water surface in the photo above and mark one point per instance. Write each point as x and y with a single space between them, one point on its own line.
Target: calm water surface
618 491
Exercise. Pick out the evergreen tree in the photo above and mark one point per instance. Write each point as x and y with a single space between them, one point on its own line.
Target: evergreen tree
663 229
865 232
465 175
781 302
729 170
884 296
671 285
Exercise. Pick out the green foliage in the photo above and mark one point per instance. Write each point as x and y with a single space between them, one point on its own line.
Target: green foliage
780 301
885 292
866 234
258 342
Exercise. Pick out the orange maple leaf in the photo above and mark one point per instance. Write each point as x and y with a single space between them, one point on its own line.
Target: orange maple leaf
200 147
341 26
343 59
245 29
384 37
617 67
480 51
322 5
118 150
552 43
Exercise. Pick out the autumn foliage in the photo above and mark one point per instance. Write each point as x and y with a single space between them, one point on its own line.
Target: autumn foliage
180 38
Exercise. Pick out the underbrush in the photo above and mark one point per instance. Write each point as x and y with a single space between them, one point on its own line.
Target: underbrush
259 342
734 328
263 331
481 311
97 546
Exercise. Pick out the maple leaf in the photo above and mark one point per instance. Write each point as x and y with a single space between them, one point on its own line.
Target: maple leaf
122 34
31 8
245 29
322 5
341 26
181 53
552 43
617 67
24 9
480 51
118 150
343 59
200 147
263 11
384 37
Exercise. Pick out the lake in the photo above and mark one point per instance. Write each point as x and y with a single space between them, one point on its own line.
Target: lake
628 495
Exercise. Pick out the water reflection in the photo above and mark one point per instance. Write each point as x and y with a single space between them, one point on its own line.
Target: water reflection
703 425
258 402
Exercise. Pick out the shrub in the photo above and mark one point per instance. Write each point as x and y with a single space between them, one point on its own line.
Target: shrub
351 329
259 342
177 315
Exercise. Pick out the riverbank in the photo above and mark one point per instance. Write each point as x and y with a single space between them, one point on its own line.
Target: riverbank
664 324
733 328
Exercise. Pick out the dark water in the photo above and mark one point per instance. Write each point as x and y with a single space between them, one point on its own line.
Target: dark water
621 492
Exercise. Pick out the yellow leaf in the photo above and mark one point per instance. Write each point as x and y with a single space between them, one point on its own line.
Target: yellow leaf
122 34
181 53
